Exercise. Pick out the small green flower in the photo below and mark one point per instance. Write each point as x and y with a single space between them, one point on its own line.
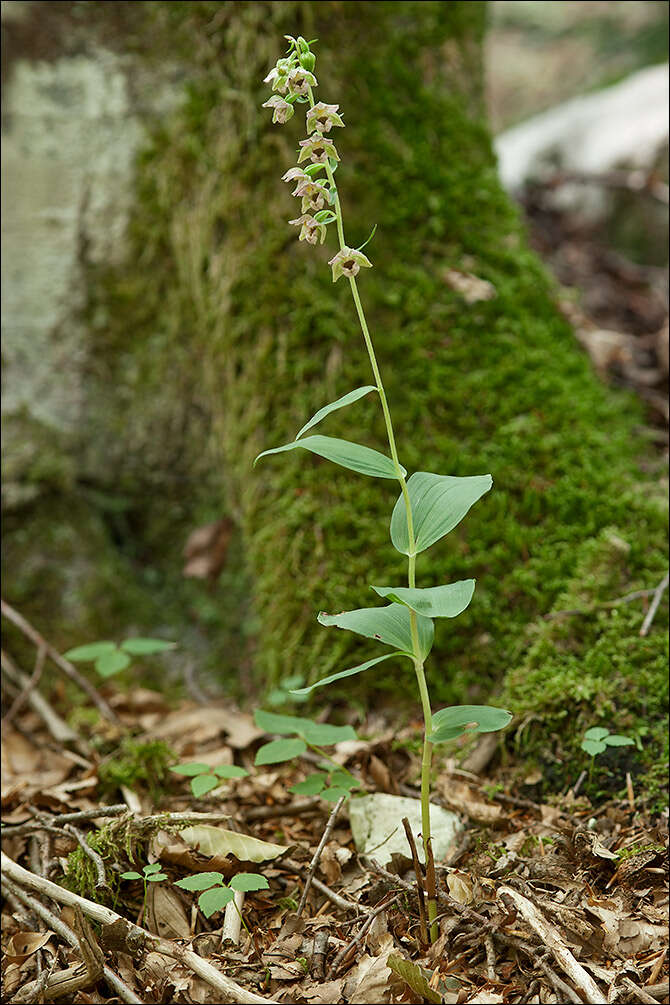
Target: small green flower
318 148
281 110
314 194
310 229
349 263
278 78
322 117
300 81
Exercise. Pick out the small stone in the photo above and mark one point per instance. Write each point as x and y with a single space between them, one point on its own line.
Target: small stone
376 826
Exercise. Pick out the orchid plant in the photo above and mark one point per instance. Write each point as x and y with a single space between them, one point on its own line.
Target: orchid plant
430 505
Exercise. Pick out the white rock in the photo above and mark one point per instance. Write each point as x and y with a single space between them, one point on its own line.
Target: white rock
376 825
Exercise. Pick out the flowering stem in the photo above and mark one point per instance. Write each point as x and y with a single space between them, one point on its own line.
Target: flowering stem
411 572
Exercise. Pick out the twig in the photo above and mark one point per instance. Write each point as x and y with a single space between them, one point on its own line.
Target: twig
490 958
319 953
317 854
226 987
67 668
653 607
342 955
59 729
558 984
96 859
423 917
289 809
658 991
641 994
10 830
552 940
23 695
66 933
232 919
335 898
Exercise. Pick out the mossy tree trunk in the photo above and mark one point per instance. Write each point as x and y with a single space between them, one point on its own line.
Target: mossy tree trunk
225 324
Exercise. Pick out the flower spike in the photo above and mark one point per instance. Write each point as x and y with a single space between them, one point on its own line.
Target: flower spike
349 263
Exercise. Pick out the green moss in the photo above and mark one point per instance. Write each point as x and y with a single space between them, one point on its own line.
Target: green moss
137 764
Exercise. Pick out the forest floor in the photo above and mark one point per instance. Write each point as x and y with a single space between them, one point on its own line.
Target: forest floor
554 901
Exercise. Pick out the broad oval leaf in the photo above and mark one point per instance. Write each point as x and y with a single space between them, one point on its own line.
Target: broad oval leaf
230 771
451 722
190 770
313 732
332 794
216 842
435 601
214 900
203 784
249 881
82 654
619 741
390 625
596 733
347 399
131 875
157 877
354 456
202 881
279 750
439 503
593 747
312 785
144 647
349 673
111 662
149 869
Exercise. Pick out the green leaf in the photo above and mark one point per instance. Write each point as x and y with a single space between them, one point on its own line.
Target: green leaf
157 877
190 770
593 747
230 771
346 399
413 975
341 781
365 460
312 785
203 784
324 216
154 867
131 875
248 881
144 647
279 750
349 673
313 732
202 881
82 654
215 900
435 602
111 662
451 722
596 733
439 503
619 741
390 625
334 793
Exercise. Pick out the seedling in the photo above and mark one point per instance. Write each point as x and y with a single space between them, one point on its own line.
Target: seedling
205 778
429 506
598 738
150 874
109 659
216 893
331 783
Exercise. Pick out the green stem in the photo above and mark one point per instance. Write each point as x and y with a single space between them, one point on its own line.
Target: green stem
411 571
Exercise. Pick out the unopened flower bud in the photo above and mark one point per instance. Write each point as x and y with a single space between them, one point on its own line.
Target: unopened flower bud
349 263
318 149
307 60
282 111
323 117
310 229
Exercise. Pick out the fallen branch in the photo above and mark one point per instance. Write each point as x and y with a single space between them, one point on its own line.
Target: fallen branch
351 945
229 989
653 607
43 820
552 940
334 898
64 665
317 854
66 933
